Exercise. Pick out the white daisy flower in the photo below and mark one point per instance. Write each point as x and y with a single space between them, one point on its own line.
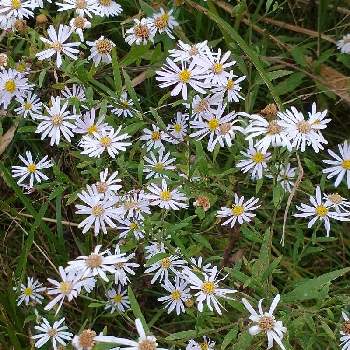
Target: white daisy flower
100 210
285 177
133 226
109 8
201 106
125 106
112 141
58 46
144 342
339 165
117 300
85 340
155 167
166 198
207 344
178 294
57 122
231 88
164 22
68 288
96 264
101 50
154 248
171 263
303 132
344 44
269 133
208 290
266 322
16 9
108 185
30 104
124 268
82 7
12 85
78 24
31 292
320 210
186 52
177 130
154 138
255 162
31 169
197 264
56 333
336 201
345 332
181 77
134 204
77 91
86 124
241 211
141 33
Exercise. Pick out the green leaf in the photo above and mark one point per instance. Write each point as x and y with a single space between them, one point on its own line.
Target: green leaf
155 258
262 264
184 335
279 73
95 305
243 342
135 307
116 72
229 337
277 195
131 90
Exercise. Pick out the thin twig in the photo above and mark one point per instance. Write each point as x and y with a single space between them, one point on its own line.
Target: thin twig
67 223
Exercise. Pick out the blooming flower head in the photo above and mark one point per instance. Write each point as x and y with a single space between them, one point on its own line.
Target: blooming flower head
31 292
241 211
16 9
109 8
31 169
78 24
266 322
85 340
134 204
154 248
101 50
124 268
76 91
87 124
285 176
202 106
187 52
177 130
164 22
155 166
125 106
154 138
29 105
207 344
108 184
336 201
117 300
133 226
81 7
344 44
231 88
141 33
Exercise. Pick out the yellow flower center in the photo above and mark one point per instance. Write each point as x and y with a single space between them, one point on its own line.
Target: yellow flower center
10 86
304 127
159 166
218 68
117 298
79 22
141 31
321 210
21 67
56 120
105 141
237 210
134 226
155 135
147 345
177 127
27 106
185 76
97 210
65 287
16 4
208 287
230 84
165 196
93 261
161 22
57 46
86 339
80 4
28 291
175 295
213 124
346 164
266 323
204 346
165 263
105 2
104 46
92 129
258 157
31 168
124 104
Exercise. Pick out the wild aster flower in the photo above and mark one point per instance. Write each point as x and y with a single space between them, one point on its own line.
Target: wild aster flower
109 8
16 9
81 7
166 198
177 130
134 204
219 127
178 294
268 132
171 263
56 333
77 91
320 210
117 300
124 268
187 52
336 201
345 332
154 248
58 46
255 162
101 50
100 210
207 289
112 141
29 105
57 122
68 288
207 344
108 185
202 106
125 106
339 165
141 33
31 169
144 342
197 265
155 167
154 138
231 88
240 211
181 77
344 44
86 124
266 322
85 340
133 227
31 292
78 24
285 177
164 22
303 132
12 85
96 264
